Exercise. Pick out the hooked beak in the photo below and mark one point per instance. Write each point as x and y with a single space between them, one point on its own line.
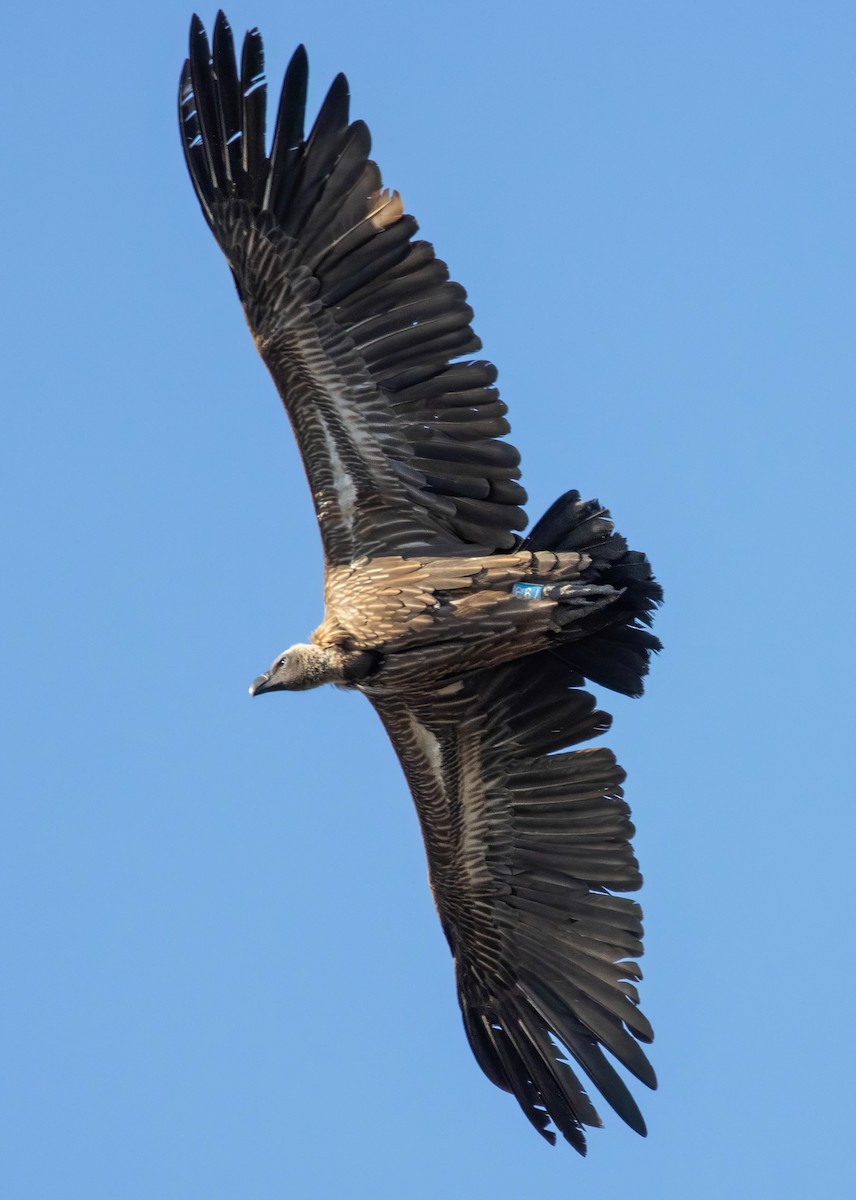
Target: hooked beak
262 684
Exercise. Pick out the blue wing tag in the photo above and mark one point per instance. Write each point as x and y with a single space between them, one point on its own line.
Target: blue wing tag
528 591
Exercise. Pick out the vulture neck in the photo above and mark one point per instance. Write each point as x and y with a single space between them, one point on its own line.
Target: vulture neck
311 666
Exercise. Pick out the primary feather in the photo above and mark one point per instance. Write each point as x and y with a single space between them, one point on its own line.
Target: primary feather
471 643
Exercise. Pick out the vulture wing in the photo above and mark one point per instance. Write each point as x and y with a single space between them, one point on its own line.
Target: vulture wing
358 324
525 847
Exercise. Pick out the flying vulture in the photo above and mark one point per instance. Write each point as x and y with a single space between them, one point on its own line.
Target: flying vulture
471 640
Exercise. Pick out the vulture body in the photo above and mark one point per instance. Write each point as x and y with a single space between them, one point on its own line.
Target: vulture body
471 642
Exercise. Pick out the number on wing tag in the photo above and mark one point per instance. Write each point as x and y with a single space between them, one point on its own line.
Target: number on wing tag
528 591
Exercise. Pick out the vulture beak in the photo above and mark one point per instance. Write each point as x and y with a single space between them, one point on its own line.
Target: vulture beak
260 685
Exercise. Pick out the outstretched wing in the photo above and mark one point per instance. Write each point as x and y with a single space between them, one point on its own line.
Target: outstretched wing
525 849
358 324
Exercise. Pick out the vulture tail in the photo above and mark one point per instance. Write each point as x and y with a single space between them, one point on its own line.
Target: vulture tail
612 645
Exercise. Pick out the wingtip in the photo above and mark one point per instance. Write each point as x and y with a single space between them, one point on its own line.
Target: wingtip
297 71
200 47
222 28
340 86
630 1114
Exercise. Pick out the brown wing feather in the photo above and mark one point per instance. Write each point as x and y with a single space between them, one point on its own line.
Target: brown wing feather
525 847
358 324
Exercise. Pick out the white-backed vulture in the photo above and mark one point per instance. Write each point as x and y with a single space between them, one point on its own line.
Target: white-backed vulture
471 641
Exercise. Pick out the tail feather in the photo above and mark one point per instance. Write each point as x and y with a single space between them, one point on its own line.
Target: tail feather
610 645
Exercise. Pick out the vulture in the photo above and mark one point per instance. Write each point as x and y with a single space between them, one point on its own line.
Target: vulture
471 639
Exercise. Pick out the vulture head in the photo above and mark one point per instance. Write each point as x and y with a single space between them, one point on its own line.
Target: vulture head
303 667
296 670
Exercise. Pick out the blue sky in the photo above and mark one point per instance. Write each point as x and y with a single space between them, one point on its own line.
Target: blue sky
222 971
